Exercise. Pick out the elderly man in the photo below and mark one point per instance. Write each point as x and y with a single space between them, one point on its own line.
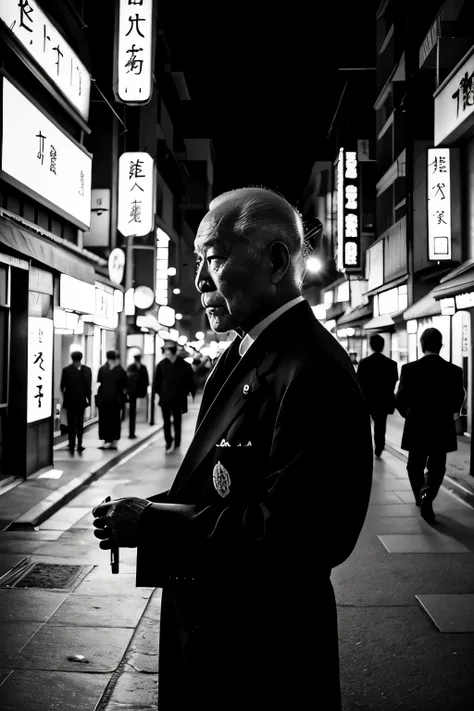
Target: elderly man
265 502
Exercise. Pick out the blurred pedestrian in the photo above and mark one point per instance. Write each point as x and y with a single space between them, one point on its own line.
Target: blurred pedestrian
137 387
378 377
173 382
430 393
265 500
354 361
110 399
76 387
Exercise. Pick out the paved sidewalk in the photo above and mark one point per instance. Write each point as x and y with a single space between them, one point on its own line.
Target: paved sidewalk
457 479
26 503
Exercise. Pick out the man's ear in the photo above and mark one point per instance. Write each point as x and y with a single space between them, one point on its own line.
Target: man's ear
281 259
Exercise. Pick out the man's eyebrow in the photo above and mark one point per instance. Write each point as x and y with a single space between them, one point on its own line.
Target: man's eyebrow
210 242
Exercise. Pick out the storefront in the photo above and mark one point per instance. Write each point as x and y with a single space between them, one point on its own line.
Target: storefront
388 309
350 332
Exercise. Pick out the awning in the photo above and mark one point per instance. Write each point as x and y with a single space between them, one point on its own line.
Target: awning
426 306
355 315
458 281
32 246
384 323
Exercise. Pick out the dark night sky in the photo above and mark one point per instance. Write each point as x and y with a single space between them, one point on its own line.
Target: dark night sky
265 83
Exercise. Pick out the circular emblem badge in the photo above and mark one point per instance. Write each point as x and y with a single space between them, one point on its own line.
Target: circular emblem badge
221 479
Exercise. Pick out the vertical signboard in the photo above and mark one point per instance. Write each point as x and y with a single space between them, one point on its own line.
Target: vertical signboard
136 194
134 51
47 46
439 204
40 368
348 224
162 260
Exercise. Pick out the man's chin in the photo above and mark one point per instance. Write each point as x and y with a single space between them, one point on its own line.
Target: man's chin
221 323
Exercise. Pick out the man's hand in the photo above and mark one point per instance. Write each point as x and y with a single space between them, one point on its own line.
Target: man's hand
117 522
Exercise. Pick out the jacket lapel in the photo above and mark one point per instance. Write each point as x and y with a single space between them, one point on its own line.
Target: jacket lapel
243 382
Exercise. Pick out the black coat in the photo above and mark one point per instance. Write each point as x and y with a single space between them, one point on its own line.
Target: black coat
431 391
76 386
377 377
113 386
137 380
173 383
248 612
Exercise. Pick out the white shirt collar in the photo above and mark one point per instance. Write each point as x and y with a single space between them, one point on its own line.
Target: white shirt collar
257 330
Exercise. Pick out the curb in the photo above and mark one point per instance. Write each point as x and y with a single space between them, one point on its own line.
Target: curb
62 496
449 484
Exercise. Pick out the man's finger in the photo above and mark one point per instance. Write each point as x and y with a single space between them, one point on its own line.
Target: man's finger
107 545
101 509
103 534
103 521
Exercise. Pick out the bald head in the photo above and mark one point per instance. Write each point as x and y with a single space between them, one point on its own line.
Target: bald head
261 217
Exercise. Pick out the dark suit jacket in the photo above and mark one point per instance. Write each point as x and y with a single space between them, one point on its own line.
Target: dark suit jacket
173 382
113 386
247 598
137 380
431 391
76 386
377 377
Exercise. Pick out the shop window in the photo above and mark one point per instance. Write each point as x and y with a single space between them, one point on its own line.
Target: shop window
40 305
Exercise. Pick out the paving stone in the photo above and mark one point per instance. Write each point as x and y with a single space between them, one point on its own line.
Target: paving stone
29 535
384 497
8 561
26 690
14 636
99 611
123 584
406 496
20 605
392 484
392 510
50 648
404 524
64 518
420 543
4 674
450 613
134 689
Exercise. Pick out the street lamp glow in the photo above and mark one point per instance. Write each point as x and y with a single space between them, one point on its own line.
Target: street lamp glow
171 271
314 265
200 336
178 317
176 291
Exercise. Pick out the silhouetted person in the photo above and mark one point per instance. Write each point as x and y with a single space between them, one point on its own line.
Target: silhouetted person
110 400
431 391
377 377
174 380
137 386
76 387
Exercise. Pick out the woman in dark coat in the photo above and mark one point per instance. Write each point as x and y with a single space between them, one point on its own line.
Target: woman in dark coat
110 399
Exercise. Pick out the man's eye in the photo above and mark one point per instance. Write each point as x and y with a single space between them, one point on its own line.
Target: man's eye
214 258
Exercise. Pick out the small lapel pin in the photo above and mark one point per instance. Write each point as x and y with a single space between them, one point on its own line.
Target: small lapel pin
221 480
246 389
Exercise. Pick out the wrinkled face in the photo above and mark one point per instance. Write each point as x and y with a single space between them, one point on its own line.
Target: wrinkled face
235 287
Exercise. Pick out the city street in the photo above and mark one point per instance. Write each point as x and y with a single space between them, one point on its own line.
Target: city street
405 603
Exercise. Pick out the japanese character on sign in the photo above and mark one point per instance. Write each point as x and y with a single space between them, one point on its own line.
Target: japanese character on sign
439 190
82 183
440 217
40 154
136 211
135 21
39 359
53 155
439 164
465 91
352 225
136 170
25 12
351 197
135 65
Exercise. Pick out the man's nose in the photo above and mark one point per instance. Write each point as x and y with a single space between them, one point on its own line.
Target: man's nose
203 280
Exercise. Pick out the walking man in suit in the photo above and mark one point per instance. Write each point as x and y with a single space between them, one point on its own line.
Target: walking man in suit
263 505
174 380
430 393
378 376
76 387
137 387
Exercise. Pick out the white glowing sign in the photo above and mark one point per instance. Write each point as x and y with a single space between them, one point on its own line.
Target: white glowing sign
348 234
161 280
439 204
48 47
135 51
40 369
39 156
136 210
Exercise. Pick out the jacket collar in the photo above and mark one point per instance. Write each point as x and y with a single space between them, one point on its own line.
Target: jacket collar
248 377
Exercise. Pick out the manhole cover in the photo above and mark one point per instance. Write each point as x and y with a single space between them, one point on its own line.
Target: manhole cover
51 576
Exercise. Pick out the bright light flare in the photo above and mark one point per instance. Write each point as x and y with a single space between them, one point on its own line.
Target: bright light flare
314 265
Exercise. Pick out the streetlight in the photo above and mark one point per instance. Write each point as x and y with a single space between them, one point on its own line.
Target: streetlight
200 336
176 291
314 265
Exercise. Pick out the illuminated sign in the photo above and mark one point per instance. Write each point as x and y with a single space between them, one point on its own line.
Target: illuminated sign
448 307
162 254
166 316
348 234
136 205
39 156
465 301
48 47
454 104
76 295
439 204
105 314
134 54
116 265
40 369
